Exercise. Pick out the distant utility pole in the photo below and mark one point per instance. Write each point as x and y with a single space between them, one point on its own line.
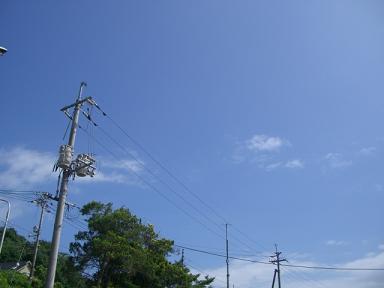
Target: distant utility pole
42 201
81 167
226 248
182 257
5 223
276 260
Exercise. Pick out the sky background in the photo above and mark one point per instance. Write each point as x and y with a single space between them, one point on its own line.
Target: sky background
269 112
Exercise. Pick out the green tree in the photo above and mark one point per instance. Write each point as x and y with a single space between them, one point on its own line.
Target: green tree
119 251
16 247
13 279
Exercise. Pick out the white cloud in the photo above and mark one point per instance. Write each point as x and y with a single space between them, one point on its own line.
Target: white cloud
126 164
265 143
123 171
336 160
100 176
296 163
367 151
21 167
272 166
291 164
378 187
381 246
335 243
262 150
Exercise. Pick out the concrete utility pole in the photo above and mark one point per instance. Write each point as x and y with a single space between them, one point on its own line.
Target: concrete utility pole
5 224
226 248
276 260
42 202
67 172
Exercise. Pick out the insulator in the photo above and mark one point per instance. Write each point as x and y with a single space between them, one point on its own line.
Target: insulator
65 157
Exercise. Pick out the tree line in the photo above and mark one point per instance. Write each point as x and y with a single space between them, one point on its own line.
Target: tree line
117 250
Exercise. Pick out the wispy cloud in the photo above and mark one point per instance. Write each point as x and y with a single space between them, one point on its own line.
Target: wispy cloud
21 167
336 160
129 165
25 168
265 143
335 243
272 166
295 163
124 171
367 151
378 187
264 151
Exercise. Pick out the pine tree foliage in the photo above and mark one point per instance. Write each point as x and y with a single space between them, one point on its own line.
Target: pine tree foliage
119 251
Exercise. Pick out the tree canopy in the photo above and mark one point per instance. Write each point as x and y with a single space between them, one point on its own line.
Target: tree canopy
18 248
119 251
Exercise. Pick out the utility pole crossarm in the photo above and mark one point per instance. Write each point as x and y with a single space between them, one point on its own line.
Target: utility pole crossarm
79 102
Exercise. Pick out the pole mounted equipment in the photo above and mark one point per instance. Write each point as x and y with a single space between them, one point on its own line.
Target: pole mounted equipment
3 50
81 166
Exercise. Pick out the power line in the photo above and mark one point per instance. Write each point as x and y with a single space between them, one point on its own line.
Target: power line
158 178
20 191
169 173
221 255
301 276
141 147
285 265
333 268
125 150
175 178
150 185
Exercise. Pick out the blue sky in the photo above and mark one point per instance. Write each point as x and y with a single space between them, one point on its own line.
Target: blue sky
270 111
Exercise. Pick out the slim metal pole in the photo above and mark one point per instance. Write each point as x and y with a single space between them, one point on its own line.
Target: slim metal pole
62 196
5 224
226 248
43 205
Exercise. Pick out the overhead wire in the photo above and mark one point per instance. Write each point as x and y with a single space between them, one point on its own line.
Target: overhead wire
199 211
150 185
302 277
169 173
284 265
165 168
208 206
23 195
298 283
159 179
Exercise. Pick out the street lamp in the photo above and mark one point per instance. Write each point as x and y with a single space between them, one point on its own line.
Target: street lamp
5 224
3 51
